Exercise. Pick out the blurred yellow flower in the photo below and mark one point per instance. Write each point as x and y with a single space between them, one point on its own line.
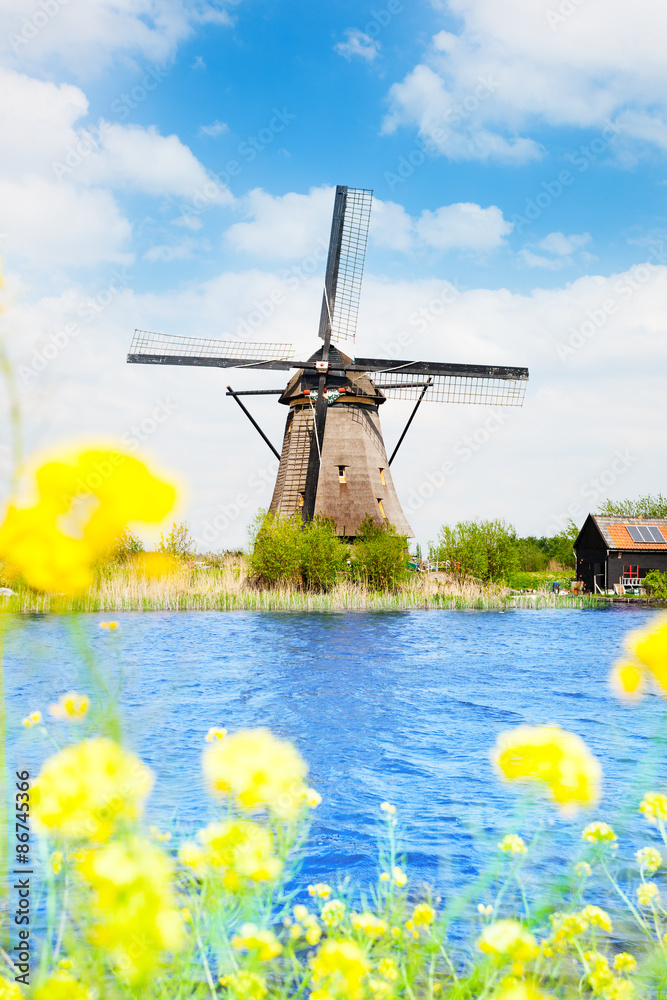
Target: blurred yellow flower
423 915
70 706
485 909
244 985
597 918
519 991
156 565
301 913
9 990
258 771
33 719
263 943
512 844
600 977
567 926
193 856
312 797
625 962
654 807
384 876
134 904
627 681
648 893
240 851
333 913
400 878
32 542
583 869
214 734
111 625
56 862
598 833
157 834
388 968
650 647
649 859
550 755
60 986
388 808
320 889
369 924
506 939
85 791
339 969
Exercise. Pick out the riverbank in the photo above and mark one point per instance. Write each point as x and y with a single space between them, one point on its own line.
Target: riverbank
226 587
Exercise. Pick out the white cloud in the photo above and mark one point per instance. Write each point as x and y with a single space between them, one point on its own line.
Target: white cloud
463 226
283 226
213 130
561 247
518 63
85 38
358 43
171 251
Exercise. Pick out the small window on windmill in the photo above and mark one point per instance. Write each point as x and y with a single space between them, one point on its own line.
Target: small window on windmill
382 509
342 474
299 502
382 479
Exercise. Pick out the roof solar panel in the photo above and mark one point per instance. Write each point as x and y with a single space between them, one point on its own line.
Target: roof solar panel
646 533
635 532
657 534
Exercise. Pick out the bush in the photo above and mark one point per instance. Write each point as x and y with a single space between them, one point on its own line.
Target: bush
655 583
379 555
646 506
126 547
179 542
484 550
535 554
286 551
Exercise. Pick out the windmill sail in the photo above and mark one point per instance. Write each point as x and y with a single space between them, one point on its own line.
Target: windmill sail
450 383
150 348
345 264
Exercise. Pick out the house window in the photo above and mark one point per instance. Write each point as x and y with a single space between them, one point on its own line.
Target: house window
382 509
631 571
342 477
382 479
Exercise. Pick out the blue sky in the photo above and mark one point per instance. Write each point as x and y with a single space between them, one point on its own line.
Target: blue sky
517 154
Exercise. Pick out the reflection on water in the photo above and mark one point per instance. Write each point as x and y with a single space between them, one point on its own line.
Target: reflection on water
403 706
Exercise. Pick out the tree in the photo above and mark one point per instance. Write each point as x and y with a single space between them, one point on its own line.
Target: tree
287 551
179 542
379 555
655 584
644 506
484 550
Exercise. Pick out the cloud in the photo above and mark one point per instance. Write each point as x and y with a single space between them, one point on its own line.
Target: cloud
561 247
358 43
294 225
171 251
215 129
515 65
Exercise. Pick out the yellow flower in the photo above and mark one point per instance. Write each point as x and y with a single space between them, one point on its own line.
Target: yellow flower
597 917
241 851
625 962
333 913
384 876
134 904
301 913
598 833
263 943
156 834
650 647
649 859
33 719
568 926
157 565
519 991
9 990
60 986
506 939
601 976
70 706
244 985
85 791
554 757
583 869
32 543
111 625
187 916
619 989
512 844
313 798
339 970
485 910
400 878
387 967
321 890
313 934
369 924
387 807
423 915
258 771
654 807
56 862
648 893
214 734
627 681
193 856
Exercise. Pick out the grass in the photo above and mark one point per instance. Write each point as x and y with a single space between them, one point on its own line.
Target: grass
225 586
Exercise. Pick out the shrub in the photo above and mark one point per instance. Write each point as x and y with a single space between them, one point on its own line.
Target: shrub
379 555
179 542
287 551
655 583
485 550
323 555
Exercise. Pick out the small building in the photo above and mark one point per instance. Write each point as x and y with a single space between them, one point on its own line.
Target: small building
616 553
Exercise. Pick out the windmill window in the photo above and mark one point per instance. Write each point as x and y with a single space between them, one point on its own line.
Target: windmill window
381 509
299 502
382 479
342 476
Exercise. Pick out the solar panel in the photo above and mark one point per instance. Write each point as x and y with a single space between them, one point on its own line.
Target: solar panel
635 532
657 534
645 533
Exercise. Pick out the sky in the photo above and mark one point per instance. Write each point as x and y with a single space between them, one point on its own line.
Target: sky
170 165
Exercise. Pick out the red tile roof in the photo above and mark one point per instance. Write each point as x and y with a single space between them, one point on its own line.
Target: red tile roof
617 536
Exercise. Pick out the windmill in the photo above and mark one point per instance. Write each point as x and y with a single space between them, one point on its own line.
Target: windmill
333 459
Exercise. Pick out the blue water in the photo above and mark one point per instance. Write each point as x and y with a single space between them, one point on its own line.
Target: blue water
403 706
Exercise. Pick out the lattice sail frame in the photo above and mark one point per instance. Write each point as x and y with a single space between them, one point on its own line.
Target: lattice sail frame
147 342
472 389
351 266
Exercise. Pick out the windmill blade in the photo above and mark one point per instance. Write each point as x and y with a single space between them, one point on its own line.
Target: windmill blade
452 383
148 348
345 263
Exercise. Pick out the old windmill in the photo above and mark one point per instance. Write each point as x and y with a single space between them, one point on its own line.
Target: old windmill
333 458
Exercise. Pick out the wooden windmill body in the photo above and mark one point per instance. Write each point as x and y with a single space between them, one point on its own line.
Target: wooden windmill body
333 459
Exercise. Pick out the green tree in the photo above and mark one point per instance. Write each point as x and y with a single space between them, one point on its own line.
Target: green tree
323 555
379 555
178 542
484 550
655 583
286 551
644 506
